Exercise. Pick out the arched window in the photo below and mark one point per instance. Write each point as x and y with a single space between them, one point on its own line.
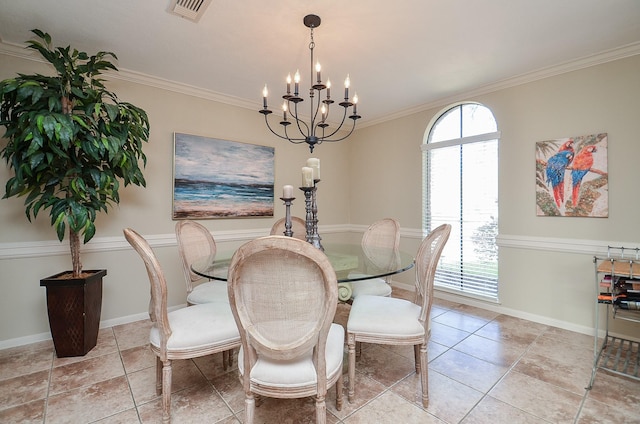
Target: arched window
460 187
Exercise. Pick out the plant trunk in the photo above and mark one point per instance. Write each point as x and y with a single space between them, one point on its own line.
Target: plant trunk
74 244
74 236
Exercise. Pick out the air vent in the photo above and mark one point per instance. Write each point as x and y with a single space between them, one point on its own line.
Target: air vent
189 9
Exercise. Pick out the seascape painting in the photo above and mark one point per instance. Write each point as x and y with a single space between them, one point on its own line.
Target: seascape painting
215 178
572 177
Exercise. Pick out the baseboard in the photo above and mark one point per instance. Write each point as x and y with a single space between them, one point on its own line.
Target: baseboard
496 307
43 337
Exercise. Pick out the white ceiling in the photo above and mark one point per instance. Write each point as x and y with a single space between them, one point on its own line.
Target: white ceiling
401 55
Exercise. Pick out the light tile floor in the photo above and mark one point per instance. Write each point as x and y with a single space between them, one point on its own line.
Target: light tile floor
484 368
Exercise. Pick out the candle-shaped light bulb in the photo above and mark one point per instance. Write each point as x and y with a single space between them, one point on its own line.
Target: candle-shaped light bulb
288 83
318 68
323 110
347 84
265 93
296 80
328 89
284 110
355 103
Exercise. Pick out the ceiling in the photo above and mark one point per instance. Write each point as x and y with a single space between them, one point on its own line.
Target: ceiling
401 55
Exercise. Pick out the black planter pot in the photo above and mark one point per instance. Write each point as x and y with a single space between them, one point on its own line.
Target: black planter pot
74 306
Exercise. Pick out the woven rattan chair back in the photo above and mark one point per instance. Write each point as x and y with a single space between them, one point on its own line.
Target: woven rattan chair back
194 241
158 283
378 239
427 258
298 226
382 233
283 293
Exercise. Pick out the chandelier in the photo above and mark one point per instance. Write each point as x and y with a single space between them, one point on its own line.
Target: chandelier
317 130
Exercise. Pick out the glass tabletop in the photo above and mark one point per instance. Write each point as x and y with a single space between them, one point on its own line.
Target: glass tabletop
351 262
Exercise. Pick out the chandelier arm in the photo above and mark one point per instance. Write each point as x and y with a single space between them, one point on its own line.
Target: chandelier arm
299 121
344 117
353 127
293 140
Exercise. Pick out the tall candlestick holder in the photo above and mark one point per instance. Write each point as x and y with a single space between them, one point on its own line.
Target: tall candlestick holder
287 217
314 211
311 221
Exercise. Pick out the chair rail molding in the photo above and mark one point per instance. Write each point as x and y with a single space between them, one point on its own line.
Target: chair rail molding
560 245
35 249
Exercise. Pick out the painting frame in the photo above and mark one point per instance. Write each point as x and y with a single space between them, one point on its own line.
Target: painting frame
214 178
572 177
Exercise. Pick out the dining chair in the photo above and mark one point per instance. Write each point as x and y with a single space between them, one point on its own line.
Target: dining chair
283 294
393 321
195 241
298 226
384 233
185 333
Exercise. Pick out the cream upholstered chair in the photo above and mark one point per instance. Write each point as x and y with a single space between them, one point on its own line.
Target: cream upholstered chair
393 321
194 242
283 294
384 233
185 333
298 226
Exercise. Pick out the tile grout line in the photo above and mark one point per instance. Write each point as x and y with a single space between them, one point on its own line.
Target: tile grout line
126 376
509 369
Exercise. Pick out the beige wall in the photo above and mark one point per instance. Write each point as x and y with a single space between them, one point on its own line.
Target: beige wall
376 173
546 269
148 210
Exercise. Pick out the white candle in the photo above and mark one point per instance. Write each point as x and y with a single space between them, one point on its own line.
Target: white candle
307 177
287 192
314 164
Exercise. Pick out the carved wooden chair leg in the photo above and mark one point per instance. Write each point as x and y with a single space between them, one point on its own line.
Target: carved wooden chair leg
352 366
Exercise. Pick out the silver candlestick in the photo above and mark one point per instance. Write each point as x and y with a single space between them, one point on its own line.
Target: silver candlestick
311 221
287 217
314 210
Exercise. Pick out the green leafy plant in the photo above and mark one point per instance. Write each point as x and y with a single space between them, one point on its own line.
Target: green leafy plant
70 141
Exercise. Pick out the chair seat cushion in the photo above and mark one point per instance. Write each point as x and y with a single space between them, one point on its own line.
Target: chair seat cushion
199 327
210 291
382 316
373 286
300 371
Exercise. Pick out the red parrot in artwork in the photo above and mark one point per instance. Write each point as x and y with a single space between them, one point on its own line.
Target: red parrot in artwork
556 166
581 166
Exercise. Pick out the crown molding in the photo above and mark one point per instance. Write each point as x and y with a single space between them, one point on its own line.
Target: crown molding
622 52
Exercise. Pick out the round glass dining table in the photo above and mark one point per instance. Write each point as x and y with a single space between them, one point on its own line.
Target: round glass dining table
351 262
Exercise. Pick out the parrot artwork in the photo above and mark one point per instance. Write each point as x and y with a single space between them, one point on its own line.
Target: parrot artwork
556 167
581 166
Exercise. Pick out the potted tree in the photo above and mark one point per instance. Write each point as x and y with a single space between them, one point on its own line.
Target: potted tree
69 143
